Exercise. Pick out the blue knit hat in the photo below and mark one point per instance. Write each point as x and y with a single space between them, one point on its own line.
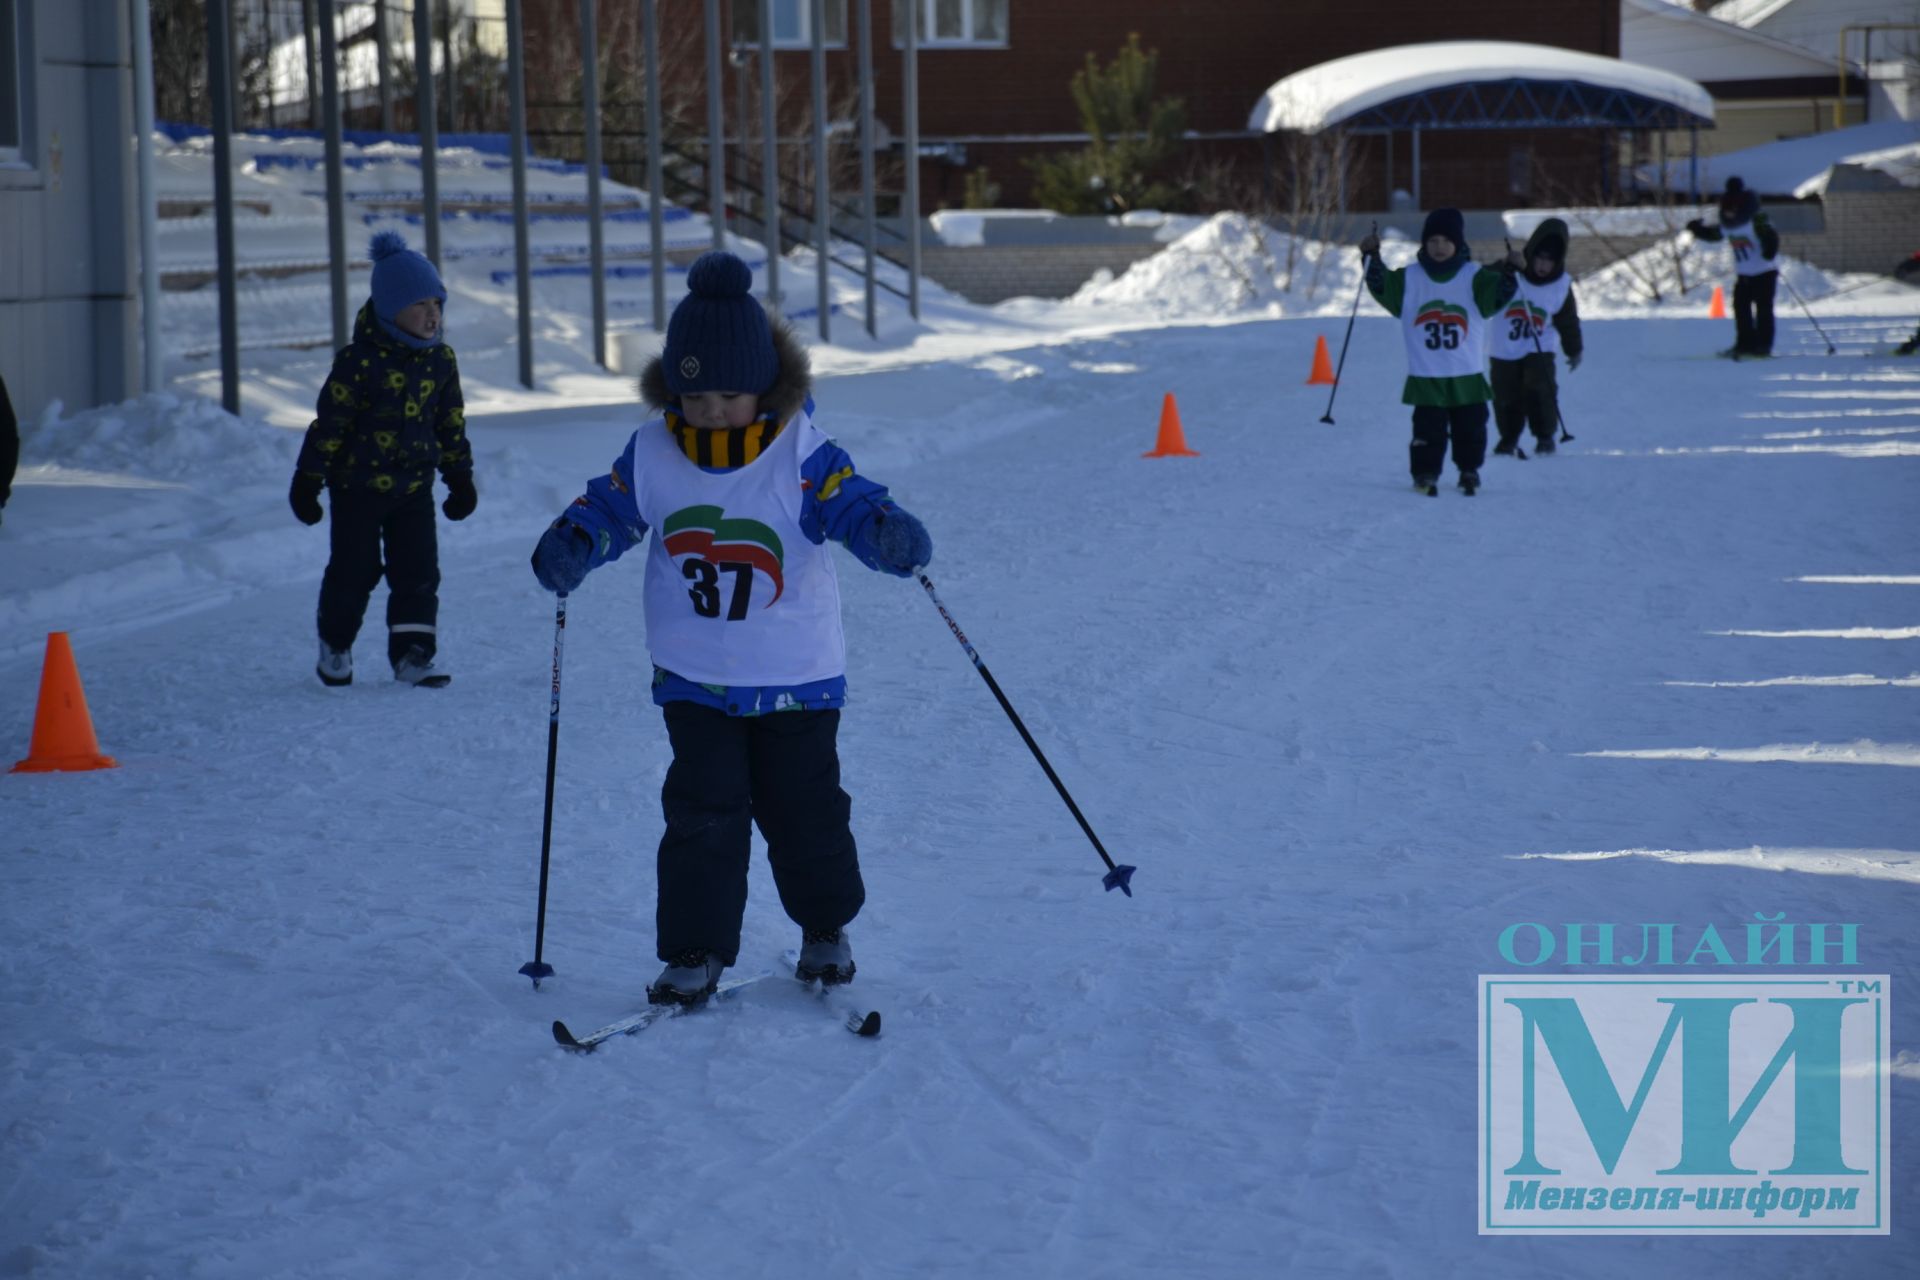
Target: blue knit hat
719 338
401 277
1445 222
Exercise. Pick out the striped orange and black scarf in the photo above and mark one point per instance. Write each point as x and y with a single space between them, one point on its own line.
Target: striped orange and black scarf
722 446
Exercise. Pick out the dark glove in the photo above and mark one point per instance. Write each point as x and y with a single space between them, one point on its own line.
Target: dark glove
561 556
899 541
461 497
1573 362
304 497
1696 226
1370 245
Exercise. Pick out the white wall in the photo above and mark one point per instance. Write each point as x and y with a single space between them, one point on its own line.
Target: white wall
68 307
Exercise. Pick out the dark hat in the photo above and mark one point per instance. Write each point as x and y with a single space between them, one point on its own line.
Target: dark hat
1445 222
1735 186
719 338
401 277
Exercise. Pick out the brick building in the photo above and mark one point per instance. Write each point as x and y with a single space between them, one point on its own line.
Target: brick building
994 78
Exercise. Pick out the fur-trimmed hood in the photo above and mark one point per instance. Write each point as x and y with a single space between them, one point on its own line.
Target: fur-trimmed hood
782 400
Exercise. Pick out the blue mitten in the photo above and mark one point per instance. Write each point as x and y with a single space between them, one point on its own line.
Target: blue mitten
561 556
900 542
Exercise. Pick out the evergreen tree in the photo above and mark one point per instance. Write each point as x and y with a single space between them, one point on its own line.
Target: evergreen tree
1133 138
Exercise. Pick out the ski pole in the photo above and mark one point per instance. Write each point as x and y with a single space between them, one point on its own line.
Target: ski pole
1803 306
1341 367
1561 418
1117 877
536 968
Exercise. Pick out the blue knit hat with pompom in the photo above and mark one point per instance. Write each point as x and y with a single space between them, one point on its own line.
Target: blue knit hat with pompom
719 338
401 277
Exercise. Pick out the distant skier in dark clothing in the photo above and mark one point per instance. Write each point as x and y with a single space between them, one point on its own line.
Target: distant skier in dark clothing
1522 343
1746 229
390 413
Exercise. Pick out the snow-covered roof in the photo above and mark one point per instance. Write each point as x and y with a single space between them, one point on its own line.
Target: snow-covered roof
1494 83
1673 37
1799 166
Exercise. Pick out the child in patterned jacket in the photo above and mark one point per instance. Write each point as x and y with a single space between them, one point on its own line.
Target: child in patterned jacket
390 413
744 495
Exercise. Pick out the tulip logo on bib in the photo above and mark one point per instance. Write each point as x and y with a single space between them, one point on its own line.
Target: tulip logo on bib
1526 320
704 536
1445 324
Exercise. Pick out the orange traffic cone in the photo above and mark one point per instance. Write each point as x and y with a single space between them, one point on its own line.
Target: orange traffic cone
1173 441
1717 309
62 730
1322 375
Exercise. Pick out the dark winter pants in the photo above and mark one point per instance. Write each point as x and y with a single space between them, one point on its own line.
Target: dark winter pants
1525 395
780 771
1466 424
1753 313
363 523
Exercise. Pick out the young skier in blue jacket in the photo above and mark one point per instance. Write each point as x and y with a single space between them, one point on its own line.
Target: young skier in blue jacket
743 495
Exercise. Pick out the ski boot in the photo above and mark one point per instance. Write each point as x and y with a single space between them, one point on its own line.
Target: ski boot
689 978
826 957
1429 485
335 667
416 668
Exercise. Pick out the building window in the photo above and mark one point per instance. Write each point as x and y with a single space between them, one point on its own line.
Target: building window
12 83
792 24
954 23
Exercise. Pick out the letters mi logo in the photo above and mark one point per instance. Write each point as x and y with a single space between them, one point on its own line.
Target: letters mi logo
1683 1105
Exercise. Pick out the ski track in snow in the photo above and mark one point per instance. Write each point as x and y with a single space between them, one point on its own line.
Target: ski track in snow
262 1009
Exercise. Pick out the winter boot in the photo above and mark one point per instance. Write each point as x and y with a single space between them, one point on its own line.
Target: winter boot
1543 444
416 668
1505 448
335 667
1429 485
1469 482
689 978
826 956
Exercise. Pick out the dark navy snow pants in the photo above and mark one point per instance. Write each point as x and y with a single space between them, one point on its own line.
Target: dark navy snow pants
1525 395
364 524
780 771
1465 424
1753 313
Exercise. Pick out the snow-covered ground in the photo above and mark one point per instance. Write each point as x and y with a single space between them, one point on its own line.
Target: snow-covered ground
261 1004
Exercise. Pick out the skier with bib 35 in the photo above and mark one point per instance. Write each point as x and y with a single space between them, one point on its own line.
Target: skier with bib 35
1444 301
744 495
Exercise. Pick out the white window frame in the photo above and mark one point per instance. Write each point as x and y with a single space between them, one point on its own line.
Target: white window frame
17 152
968 21
803 20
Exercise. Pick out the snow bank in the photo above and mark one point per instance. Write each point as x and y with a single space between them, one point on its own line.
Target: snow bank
160 437
1234 265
